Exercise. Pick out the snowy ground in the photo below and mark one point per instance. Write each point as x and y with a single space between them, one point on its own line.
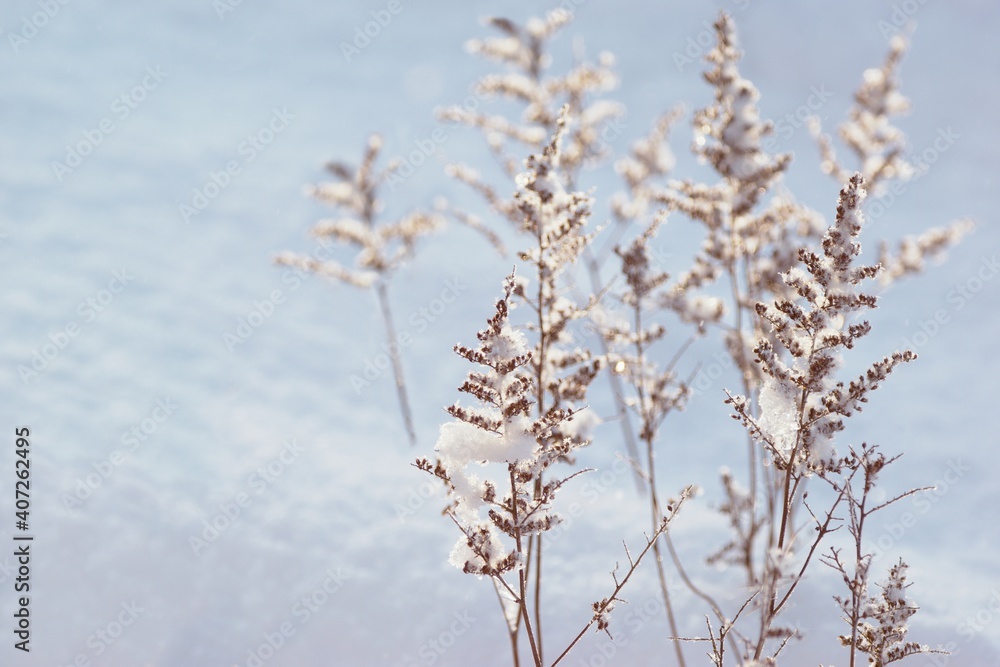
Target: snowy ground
335 553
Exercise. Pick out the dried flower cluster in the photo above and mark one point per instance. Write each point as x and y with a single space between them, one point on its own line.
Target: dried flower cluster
802 405
381 248
749 240
499 436
784 292
884 638
500 431
523 52
868 131
878 623
879 146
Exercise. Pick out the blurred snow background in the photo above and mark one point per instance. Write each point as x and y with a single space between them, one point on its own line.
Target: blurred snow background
322 557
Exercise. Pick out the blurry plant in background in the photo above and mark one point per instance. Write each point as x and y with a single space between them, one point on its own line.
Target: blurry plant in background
381 247
775 286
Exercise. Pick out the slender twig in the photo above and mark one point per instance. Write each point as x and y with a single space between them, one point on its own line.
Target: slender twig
397 362
625 421
601 608
648 433
521 579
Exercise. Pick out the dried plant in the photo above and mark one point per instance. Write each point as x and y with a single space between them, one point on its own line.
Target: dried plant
382 247
500 437
523 51
868 132
554 219
879 148
787 352
656 392
752 242
784 291
802 406
568 104
753 232
885 640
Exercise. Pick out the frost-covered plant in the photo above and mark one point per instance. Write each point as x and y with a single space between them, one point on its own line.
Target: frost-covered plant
884 641
501 441
381 246
753 232
749 238
554 218
655 392
868 132
552 104
803 404
785 290
568 104
518 503
787 352
878 623
879 148
501 431
523 53
560 370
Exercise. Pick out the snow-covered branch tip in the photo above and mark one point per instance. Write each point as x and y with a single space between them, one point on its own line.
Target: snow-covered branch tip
803 405
499 430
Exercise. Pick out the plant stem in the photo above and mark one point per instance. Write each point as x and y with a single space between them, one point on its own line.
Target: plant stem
397 362
594 272
648 433
633 565
521 579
